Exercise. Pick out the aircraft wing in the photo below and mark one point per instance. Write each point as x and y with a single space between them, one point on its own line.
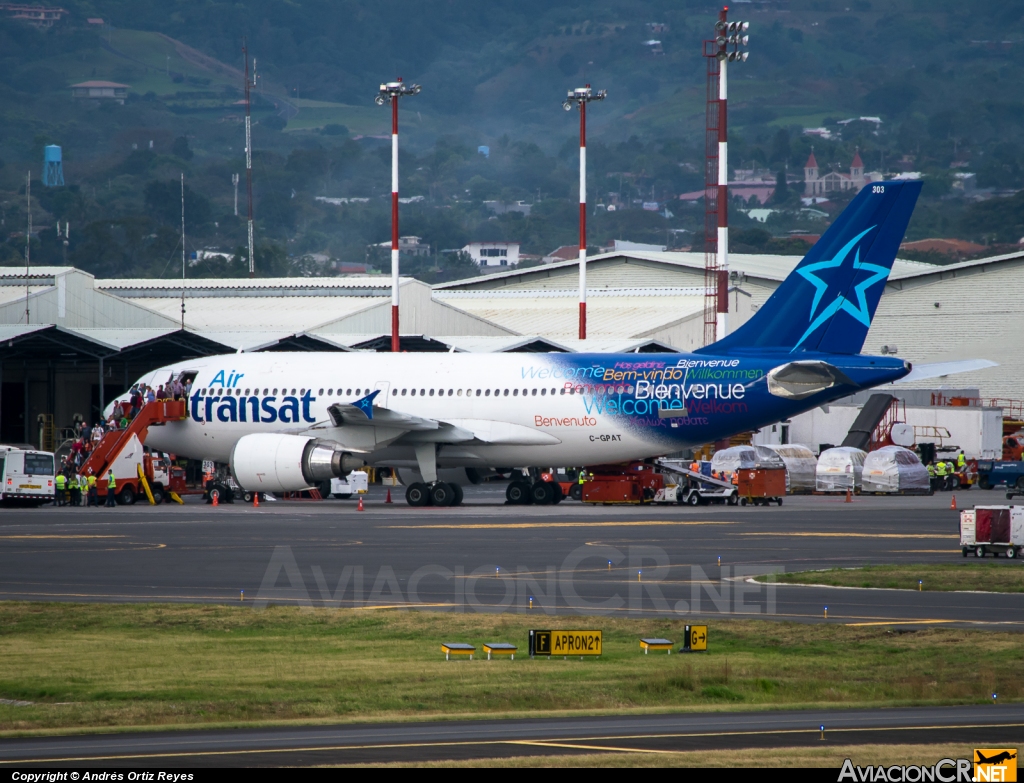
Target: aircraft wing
922 372
363 413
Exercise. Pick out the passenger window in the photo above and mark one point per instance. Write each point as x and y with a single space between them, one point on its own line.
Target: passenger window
412 392
431 392
265 392
403 392
275 391
220 391
422 392
487 393
477 392
321 392
543 391
506 392
515 392
534 392
460 392
394 392
563 390
451 392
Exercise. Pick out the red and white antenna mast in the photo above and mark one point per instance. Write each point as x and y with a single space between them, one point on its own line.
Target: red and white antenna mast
390 93
249 84
579 98
727 46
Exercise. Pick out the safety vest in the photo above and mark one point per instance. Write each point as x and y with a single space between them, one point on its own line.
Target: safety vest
61 479
940 469
961 460
931 470
73 483
111 482
91 482
582 477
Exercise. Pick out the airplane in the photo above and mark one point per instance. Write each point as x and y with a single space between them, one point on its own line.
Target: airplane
287 421
1002 756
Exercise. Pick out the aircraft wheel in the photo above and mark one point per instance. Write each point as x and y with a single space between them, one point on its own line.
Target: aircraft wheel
417 495
126 497
441 494
518 493
458 494
542 493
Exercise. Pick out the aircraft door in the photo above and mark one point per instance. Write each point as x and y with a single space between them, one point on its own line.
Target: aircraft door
383 399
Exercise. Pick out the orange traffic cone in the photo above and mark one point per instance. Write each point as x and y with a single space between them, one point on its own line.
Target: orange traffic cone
849 499
388 498
215 496
255 499
360 506
952 504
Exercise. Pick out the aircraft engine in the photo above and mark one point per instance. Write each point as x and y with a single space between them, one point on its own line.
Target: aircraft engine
269 462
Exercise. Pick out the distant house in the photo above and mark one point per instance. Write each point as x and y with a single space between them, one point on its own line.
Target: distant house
816 184
410 246
500 207
493 253
35 15
954 248
563 253
100 91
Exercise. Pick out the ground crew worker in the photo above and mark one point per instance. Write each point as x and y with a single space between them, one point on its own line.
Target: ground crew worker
940 474
111 489
76 490
950 476
91 491
61 481
931 475
961 461
582 477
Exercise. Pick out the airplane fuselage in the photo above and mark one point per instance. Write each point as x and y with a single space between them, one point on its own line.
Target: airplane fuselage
525 409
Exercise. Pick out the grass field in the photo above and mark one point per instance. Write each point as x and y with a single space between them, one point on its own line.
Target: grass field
985 576
825 756
96 665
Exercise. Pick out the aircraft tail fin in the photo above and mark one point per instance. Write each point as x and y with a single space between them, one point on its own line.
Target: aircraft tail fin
826 304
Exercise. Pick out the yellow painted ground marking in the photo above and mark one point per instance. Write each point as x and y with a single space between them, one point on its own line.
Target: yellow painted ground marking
521 525
543 744
57 536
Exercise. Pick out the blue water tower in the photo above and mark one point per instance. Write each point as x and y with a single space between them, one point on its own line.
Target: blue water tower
53 167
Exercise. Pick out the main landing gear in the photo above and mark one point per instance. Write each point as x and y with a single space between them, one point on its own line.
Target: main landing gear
437 493
541 493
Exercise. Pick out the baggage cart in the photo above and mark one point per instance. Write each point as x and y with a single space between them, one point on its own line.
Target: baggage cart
992 529
761 486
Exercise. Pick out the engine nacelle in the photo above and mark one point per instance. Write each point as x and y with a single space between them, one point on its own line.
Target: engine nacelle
270 462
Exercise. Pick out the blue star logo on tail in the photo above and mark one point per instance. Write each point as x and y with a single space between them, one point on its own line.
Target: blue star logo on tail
839 282
366 404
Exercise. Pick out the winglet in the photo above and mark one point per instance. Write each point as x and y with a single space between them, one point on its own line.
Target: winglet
365 404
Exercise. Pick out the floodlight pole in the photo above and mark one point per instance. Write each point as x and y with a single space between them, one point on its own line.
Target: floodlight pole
580 97
389 93
395 340
248 151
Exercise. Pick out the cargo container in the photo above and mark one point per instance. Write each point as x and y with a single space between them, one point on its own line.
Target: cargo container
761 486
839 469
994 529
895 470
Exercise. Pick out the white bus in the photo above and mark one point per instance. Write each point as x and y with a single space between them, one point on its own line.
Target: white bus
26 477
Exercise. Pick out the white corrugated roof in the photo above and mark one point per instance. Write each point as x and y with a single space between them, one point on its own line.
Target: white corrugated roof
12 293
289 314
122 338
229 283
765 266
616 316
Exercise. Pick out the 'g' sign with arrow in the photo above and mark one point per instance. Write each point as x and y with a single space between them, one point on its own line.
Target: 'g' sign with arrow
696 639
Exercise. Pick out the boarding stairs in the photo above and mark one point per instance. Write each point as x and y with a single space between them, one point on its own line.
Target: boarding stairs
108 449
